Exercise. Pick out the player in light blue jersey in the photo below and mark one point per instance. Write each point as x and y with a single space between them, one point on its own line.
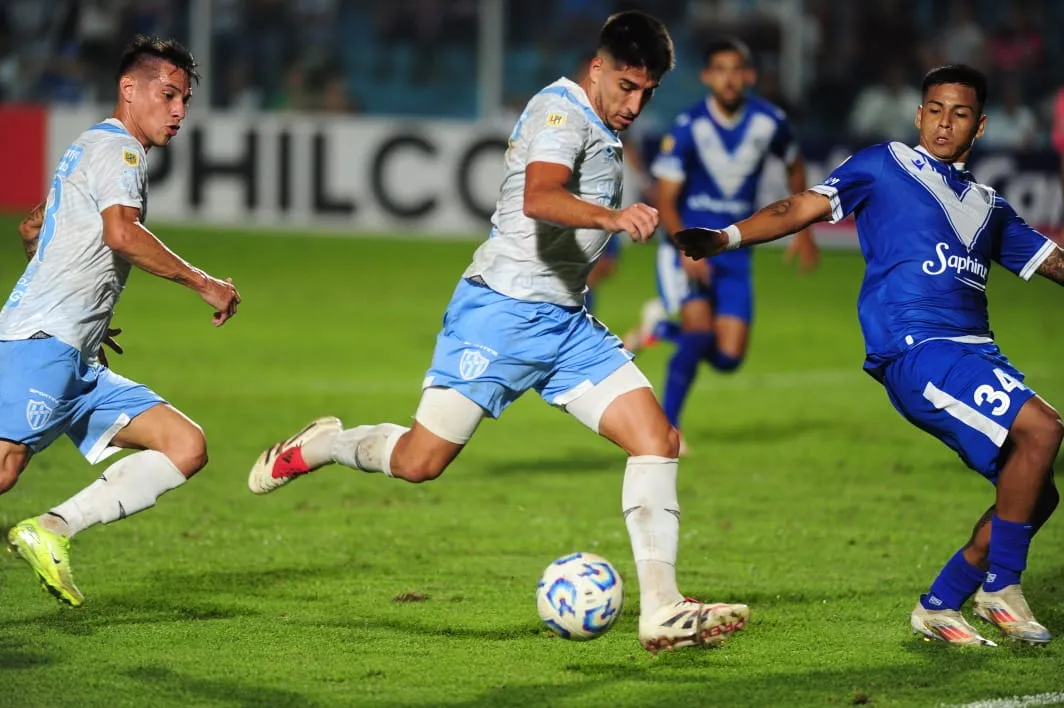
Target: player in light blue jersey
516 322
708 171
81 244
929 233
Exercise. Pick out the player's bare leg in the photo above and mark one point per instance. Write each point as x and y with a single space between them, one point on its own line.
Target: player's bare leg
731 338
1026 497
171 448
624 410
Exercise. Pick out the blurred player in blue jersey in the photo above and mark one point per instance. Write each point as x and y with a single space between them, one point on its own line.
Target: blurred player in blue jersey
517 322
54 379
708 171
929 233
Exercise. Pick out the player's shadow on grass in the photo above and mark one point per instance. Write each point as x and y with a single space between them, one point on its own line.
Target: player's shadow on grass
13 655
576 461
167 684
1043 591
127 609
682 677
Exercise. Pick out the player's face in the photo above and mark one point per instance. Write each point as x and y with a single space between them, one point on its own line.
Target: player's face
158 101
727 77
949 121
619 93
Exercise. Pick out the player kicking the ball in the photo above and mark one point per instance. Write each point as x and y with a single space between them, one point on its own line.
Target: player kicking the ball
53 376
929 233
516 322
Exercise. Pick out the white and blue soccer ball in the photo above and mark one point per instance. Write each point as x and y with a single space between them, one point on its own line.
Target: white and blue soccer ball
580 596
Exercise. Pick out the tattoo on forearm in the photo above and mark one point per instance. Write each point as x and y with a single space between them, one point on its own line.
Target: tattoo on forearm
181 279
779 208
1053 267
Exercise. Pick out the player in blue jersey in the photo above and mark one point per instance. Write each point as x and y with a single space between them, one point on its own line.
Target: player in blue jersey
928 233
54 380
517 322
708 171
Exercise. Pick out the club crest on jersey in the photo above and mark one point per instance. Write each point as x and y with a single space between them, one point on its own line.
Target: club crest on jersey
472 364
130 157
557 119
667 144
38 413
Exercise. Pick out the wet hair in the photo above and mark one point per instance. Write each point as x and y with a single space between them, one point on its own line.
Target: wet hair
143 51
636 39
957 74
727 44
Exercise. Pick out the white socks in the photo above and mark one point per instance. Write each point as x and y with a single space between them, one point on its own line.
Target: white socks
130 485
652 515
368 447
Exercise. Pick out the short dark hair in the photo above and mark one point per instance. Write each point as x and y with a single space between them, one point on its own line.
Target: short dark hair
727 44
639 40
957 74
144 49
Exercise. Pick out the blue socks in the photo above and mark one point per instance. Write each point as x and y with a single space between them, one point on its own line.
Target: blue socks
1009 543
691 348
956 582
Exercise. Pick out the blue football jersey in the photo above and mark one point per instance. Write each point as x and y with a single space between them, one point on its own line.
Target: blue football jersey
928 233
720 163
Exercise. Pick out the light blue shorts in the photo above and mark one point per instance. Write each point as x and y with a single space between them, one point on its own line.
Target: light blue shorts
46 390
493 348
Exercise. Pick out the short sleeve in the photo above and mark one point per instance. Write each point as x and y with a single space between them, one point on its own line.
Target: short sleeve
784 143
851 183
557 131
672 159
120 174
1020 248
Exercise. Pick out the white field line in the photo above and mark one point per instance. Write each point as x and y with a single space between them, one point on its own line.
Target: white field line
1035 699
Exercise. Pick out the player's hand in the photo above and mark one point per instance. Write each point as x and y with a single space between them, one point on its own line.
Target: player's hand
109 341
697 271
223 297
638 221
806 251
698 243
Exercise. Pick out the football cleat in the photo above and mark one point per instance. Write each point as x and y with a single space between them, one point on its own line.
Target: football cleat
280 464
643 336
48 554
691 623
1007 609
947 626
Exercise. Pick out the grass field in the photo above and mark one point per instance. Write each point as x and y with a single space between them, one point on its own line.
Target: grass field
805 496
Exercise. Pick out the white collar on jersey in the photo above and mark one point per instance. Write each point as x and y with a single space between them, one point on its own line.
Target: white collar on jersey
959 166
718 115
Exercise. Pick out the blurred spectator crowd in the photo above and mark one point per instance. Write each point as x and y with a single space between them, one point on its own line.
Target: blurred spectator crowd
859 80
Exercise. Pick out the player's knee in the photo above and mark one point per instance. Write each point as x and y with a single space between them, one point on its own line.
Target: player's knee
1043 431
8 477
421 469
725 363
13 459
187 449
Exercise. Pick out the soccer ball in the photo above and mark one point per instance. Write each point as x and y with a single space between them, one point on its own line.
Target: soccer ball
580 596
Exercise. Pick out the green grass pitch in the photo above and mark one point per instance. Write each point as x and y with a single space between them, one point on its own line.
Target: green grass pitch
805 496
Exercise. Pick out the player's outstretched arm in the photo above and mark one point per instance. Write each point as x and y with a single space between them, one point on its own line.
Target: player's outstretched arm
546 198
129 238
1053 267
779 219
30 230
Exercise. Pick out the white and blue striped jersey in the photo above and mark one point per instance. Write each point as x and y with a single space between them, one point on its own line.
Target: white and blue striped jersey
70 287
533 260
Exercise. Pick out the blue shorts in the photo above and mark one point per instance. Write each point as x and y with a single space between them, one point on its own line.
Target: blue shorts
493 348
966 395
46 390
730 290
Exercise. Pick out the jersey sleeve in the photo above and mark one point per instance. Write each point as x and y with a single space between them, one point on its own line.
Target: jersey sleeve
784 143
673 156
1020 248
557 130
852 182
119 174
